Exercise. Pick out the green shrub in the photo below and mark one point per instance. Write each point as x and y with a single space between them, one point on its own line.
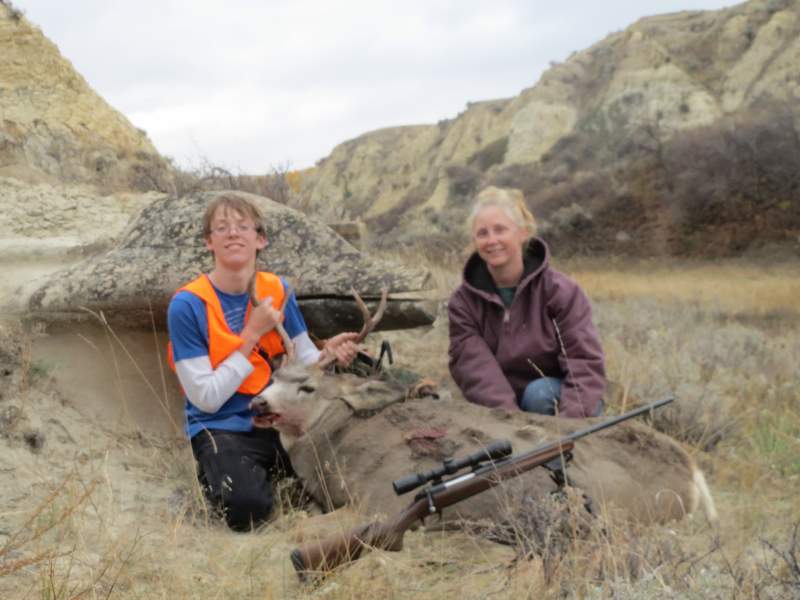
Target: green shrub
490 155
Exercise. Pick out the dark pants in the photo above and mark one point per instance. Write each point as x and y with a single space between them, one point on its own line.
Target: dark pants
236 470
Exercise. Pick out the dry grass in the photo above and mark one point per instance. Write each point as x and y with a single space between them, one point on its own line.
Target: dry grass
126 520
730 288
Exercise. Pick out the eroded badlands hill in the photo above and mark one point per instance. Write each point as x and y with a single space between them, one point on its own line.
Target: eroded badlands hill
54 128
606 135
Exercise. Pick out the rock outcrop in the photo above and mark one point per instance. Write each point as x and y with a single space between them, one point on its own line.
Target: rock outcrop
163 248
44 228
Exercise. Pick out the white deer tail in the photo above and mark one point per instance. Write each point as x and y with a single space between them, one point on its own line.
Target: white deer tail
703 497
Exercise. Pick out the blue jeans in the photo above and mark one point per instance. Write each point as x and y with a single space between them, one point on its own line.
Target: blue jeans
541 396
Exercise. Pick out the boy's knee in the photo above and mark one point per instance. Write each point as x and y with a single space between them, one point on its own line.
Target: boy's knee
247 509
244 507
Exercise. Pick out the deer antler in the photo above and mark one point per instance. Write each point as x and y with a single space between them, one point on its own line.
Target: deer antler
370 321
254 300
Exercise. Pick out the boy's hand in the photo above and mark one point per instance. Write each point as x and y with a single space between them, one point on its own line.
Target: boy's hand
342 347
262 319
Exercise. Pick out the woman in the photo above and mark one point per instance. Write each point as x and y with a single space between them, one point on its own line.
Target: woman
521 333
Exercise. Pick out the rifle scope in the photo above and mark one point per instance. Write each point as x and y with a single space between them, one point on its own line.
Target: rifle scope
494 451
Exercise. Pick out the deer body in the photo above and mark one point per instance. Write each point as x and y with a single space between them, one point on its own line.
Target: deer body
348 454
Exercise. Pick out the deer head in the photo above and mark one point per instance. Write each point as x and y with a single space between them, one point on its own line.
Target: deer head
293 397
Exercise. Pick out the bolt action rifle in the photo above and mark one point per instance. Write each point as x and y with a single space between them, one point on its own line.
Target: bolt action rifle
490 466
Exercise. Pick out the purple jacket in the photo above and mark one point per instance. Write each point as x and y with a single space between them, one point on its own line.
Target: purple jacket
548 324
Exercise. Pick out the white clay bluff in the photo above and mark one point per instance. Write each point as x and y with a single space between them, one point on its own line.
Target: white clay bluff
163 248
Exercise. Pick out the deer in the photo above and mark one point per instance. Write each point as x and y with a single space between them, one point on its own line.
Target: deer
348 437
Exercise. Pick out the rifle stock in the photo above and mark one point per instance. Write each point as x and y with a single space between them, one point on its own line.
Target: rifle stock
327 554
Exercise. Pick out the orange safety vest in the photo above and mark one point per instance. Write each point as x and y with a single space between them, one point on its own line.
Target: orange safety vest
222 342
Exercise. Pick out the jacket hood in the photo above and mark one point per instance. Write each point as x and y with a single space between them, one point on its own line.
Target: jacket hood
535 257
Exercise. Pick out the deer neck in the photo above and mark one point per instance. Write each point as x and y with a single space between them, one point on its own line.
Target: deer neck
324 421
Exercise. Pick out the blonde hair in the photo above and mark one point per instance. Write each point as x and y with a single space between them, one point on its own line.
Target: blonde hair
511 201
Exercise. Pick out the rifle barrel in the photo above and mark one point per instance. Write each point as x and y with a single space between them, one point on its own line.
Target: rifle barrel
576 435
619 418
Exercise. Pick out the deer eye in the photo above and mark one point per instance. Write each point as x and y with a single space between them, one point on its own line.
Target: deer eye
306 389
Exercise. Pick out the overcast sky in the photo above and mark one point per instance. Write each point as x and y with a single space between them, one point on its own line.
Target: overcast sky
252 85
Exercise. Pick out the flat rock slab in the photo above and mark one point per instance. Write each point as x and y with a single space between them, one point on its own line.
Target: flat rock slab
163 248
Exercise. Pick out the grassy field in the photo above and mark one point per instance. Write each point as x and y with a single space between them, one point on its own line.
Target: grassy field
119 515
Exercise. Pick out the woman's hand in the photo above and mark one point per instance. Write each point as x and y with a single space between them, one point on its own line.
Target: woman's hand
342 347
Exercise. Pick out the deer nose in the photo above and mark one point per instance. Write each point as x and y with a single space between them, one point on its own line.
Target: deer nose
259 405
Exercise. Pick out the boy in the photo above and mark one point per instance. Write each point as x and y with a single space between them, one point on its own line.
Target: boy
222 350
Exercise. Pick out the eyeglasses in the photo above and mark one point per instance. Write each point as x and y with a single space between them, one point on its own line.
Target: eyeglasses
243 228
